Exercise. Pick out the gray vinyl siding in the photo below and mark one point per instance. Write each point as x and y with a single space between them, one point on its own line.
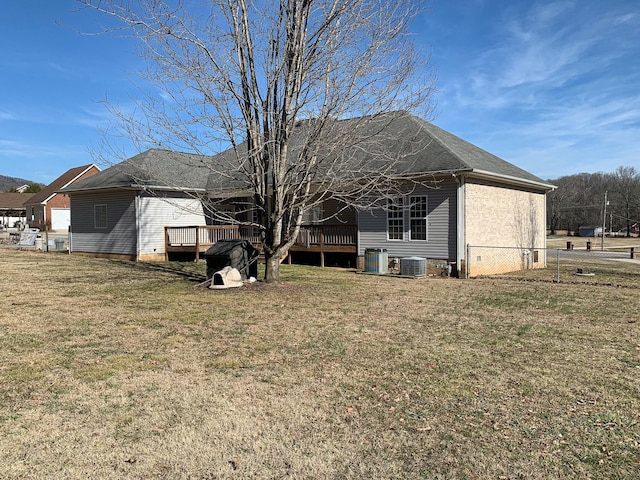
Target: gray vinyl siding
441 227
35 216
120 235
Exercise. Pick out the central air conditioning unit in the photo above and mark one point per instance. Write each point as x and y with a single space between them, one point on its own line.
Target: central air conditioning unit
413 266
376 260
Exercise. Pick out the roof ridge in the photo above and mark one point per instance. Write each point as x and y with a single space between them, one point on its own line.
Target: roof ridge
437 138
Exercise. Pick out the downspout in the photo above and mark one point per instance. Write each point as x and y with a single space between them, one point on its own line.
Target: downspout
70 228
138 238
45 247
358 235
460 224
544 232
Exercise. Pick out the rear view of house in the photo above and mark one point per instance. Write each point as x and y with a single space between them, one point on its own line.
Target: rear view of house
452 194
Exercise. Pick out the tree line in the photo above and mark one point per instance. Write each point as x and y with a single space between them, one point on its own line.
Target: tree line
580 200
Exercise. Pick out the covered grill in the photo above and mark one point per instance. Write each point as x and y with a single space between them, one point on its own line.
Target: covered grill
238 254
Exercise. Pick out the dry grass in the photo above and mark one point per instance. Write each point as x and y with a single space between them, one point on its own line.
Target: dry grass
622 272
115 370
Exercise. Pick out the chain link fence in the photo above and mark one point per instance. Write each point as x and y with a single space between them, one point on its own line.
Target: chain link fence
615 266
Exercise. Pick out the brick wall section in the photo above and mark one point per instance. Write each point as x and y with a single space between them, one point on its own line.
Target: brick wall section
60 200
498 216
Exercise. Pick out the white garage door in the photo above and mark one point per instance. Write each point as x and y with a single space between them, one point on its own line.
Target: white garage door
60 219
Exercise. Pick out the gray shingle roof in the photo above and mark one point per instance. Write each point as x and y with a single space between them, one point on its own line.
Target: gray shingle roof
155 168
413 145
421 147
449 152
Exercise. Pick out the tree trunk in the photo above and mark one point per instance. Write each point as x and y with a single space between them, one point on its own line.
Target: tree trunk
272 268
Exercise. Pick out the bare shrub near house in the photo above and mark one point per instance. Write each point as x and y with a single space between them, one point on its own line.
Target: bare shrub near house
527 230
244 74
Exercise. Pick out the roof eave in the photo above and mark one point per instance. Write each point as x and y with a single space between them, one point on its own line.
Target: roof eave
136 187
517 181
164 188
437 173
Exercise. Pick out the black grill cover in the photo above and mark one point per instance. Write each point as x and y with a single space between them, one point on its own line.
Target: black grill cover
238 254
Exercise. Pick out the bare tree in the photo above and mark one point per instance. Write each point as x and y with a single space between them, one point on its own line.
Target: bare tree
526 229
244 74
556 200
626 195
577 201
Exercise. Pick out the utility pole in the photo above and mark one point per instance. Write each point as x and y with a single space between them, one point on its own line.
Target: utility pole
604 220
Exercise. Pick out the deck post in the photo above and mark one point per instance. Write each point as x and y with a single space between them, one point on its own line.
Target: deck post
166 244
322 248
197 244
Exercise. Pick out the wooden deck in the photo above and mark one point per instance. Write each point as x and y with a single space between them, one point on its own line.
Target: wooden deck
318 238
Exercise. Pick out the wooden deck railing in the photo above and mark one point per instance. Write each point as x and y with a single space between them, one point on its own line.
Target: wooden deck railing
189 236
320 238
343 235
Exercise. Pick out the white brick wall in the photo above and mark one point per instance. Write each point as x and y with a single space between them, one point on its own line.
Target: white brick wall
497 216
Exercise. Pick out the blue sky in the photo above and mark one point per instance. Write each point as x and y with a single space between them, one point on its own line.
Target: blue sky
551 86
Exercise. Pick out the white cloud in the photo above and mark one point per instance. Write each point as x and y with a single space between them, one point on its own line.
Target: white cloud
42 162
547 47
17 148
554 89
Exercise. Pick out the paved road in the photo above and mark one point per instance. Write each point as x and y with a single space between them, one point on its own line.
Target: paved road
598 254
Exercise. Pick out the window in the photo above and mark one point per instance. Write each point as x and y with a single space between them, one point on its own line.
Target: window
100 216
224 214
395 219
418 217
313 215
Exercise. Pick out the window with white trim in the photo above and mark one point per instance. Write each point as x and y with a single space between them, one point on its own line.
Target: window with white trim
395 219
100 216
418 217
